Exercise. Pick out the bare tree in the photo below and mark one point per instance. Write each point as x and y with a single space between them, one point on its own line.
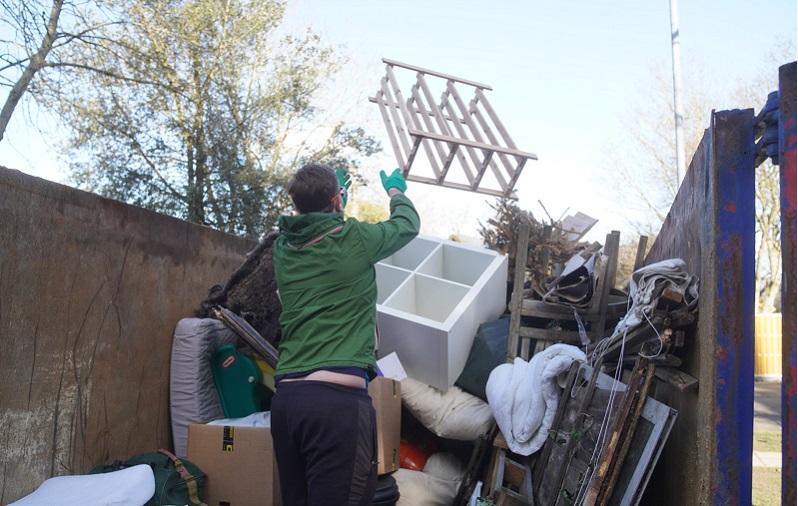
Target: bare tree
37 35
642 164
753 94
23 19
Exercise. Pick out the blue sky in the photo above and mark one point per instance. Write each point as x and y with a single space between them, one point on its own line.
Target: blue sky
561 72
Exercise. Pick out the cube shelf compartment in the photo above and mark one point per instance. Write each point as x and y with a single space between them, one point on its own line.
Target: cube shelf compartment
432 295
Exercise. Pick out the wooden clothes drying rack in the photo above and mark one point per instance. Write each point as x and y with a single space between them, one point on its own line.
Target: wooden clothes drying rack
453 132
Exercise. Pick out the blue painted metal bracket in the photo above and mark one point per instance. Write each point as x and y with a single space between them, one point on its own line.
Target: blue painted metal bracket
766 131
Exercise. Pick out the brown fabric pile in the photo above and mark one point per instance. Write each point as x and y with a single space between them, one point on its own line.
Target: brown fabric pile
251 293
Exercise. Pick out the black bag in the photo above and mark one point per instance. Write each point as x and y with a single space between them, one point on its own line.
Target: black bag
177 481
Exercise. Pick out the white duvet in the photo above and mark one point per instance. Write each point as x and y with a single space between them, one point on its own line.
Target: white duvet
523 396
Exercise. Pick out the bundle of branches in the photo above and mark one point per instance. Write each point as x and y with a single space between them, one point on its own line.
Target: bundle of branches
501 234
251 293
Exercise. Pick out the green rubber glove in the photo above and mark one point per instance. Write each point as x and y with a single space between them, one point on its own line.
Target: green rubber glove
395 180
345 182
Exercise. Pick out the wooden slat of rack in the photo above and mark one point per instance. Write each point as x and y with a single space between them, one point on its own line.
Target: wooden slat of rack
422 117
477 137
443 125
394 110
471 174
436 74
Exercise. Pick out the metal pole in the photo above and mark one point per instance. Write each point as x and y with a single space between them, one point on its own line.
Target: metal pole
677 92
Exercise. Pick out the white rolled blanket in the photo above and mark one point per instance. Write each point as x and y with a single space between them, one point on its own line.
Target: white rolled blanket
523 396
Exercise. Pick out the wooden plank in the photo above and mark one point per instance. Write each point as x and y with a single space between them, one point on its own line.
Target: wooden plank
474 144
394 109
676 378
443 125
519 276
576 226
471 174
545 254
628 431
460 186
511 168
558 414
416 110
540 309
428 145
445 102
495 118
587 392
476 135
436 74
556 336
607 280
408 119
392 134
641 252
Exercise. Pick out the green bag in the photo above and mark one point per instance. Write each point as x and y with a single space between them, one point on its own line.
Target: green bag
177 481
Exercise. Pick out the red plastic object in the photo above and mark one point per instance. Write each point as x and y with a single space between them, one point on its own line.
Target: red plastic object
413 454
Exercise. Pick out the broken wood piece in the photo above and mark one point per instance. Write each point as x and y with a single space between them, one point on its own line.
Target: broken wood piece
605 475
518 288
511 481
669 299
631 426
663 360
575 227
676 378
248 334
641 252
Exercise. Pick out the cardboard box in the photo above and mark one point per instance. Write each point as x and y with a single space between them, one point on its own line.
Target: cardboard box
239 464
239 461
386 395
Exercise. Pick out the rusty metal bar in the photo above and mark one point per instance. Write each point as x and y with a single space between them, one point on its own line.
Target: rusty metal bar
787 168
711 227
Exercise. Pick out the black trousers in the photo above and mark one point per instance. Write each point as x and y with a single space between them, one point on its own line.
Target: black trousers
325 442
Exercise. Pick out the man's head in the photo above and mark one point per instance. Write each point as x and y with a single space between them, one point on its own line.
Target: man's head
314 188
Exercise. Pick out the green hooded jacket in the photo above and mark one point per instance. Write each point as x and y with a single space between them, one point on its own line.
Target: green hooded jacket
324 268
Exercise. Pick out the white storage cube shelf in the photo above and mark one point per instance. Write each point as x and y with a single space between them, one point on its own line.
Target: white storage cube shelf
432 295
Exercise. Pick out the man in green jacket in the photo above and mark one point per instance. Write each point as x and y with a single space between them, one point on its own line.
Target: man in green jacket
323 421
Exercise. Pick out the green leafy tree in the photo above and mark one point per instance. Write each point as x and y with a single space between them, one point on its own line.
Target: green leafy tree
371 212
200 109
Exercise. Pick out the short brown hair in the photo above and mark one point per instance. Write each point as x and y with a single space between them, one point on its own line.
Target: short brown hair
312 188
